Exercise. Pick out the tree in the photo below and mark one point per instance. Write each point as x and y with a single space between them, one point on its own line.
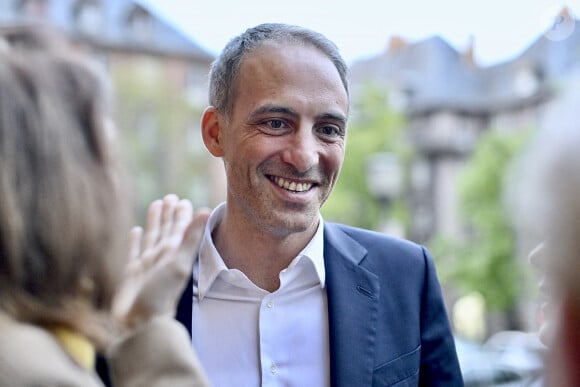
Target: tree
483 260
374 127
158 126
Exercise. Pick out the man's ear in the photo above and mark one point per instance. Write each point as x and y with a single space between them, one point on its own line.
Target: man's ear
211 131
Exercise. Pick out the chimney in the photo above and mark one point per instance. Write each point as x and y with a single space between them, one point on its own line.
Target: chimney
396 43
565 13
468 55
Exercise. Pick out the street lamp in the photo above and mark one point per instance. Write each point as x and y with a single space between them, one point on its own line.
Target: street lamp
385 183
384 176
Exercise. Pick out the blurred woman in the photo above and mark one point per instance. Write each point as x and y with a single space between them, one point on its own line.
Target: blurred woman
548 201
66 288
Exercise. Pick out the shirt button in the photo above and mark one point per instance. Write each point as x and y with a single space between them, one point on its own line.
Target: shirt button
270 304
273 369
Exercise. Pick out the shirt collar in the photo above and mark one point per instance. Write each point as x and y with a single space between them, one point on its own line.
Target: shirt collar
210 264
314 251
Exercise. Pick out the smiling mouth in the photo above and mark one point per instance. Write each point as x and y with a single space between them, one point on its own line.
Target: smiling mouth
289 185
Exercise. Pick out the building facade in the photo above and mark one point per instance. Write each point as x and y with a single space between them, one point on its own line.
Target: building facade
449 102
154 66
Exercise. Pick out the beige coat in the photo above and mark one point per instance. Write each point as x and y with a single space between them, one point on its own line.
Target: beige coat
159 354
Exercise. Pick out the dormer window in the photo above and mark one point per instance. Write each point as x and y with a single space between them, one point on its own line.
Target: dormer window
32 9
195 85
400 99
526 81
140 24
88 16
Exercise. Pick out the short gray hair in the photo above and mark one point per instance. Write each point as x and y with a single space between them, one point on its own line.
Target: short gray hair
224 70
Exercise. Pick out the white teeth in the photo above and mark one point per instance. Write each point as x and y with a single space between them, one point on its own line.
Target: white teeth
291 185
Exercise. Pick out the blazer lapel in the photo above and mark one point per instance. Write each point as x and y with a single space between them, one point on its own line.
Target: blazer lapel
353 295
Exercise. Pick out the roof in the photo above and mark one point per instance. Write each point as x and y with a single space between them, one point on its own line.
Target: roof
114 25
435 76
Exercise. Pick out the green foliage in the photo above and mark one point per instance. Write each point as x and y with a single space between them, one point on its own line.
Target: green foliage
484 261
374 127
156 123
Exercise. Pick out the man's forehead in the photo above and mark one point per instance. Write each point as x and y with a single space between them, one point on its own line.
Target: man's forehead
276 70
281 59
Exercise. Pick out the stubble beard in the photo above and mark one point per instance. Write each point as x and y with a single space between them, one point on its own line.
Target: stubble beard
282 219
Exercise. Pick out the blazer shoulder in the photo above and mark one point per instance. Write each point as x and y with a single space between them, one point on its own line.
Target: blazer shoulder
382 253
47 364
374 240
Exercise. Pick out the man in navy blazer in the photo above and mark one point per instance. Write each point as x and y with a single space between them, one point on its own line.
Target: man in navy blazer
388 323
278 295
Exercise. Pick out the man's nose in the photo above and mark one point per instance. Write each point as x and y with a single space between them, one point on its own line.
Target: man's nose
302 150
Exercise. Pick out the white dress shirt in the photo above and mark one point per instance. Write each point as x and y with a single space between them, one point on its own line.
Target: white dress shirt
247 336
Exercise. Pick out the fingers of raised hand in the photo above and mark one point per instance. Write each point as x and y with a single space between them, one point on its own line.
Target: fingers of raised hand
168 216
182 217
160 259
196 227
135 236
152 225
192 235
167 222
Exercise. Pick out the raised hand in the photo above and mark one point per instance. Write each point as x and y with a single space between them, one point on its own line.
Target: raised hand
160 261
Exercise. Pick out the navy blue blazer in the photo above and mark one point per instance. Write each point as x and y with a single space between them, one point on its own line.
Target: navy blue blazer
387 320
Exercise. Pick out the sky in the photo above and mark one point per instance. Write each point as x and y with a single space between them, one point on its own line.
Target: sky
499 29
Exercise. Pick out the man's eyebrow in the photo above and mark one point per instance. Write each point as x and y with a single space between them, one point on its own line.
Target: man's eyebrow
332 117
271 108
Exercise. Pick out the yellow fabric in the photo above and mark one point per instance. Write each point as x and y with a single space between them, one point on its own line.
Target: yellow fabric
76 345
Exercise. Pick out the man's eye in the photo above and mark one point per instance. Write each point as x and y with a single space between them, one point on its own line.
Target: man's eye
330 130
276 124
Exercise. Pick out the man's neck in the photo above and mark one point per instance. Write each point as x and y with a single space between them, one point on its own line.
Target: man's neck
260 255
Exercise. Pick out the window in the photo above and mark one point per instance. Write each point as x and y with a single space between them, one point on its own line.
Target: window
526 82
32 9
87 15
196 85
140 25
